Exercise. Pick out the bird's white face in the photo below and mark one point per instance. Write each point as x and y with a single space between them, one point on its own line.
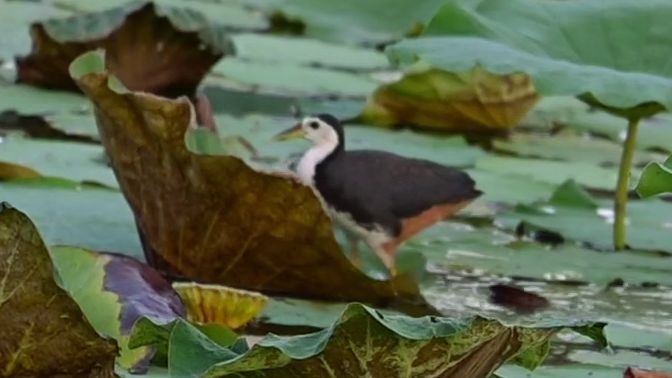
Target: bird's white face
319 132
325 139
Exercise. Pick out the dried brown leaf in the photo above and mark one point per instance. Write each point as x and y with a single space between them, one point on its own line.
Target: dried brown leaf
12 171
119 291
217 304
214 219
150 48
439 100
43 332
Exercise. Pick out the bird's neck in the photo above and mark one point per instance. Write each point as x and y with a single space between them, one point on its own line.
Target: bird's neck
314 157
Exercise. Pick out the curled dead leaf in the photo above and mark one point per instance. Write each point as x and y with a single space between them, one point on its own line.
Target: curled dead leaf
150 47
119 290
439 100
44 333
214 219
12 171
217 304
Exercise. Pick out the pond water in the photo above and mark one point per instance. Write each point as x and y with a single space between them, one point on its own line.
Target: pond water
636 306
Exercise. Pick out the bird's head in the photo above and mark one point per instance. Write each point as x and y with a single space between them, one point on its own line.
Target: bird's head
321 129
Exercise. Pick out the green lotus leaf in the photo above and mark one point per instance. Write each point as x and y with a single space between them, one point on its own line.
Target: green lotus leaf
363 341
577 48
351 21
656 179
576 215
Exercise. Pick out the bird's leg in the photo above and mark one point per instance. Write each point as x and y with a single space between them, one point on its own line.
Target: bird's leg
353 242
386 253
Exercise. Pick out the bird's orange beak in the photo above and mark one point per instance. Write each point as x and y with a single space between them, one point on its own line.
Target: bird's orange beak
293 132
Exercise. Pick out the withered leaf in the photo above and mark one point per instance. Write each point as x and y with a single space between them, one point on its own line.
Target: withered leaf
43 332
11 171
114 291
440 100
217 304
151 48
214 219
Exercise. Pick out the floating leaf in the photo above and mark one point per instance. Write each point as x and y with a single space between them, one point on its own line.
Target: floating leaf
304 51
214 304
74 161
570 147
28 100
656 179
14 18
502 186
364 341
635 337
568 371
114 291
230 14
551 172
286 69
239 102
621 359
568 112
10 171
43 331
215 219
301 313
352 21
281 76
455 247
80 127
581 221
148 333
572 195
570 53
68 213
151 48
472 100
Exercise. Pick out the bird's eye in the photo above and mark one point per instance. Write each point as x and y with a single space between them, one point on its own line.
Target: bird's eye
314 125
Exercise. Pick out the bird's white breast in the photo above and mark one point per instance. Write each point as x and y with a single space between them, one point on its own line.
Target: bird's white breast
306 168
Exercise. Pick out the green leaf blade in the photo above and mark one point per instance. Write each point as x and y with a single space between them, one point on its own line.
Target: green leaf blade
656 179
571 53
363 341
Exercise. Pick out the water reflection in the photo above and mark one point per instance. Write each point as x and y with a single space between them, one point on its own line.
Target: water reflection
463 294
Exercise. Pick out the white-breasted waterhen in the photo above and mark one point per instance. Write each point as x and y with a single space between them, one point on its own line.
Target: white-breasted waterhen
377 196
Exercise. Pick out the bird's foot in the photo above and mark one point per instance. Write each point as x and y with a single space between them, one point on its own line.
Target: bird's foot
356 260
387 253
355 256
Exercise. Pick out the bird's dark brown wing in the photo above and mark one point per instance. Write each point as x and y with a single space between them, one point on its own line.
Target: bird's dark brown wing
382 188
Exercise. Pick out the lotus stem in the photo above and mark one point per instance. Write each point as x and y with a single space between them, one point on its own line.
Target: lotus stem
623 186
